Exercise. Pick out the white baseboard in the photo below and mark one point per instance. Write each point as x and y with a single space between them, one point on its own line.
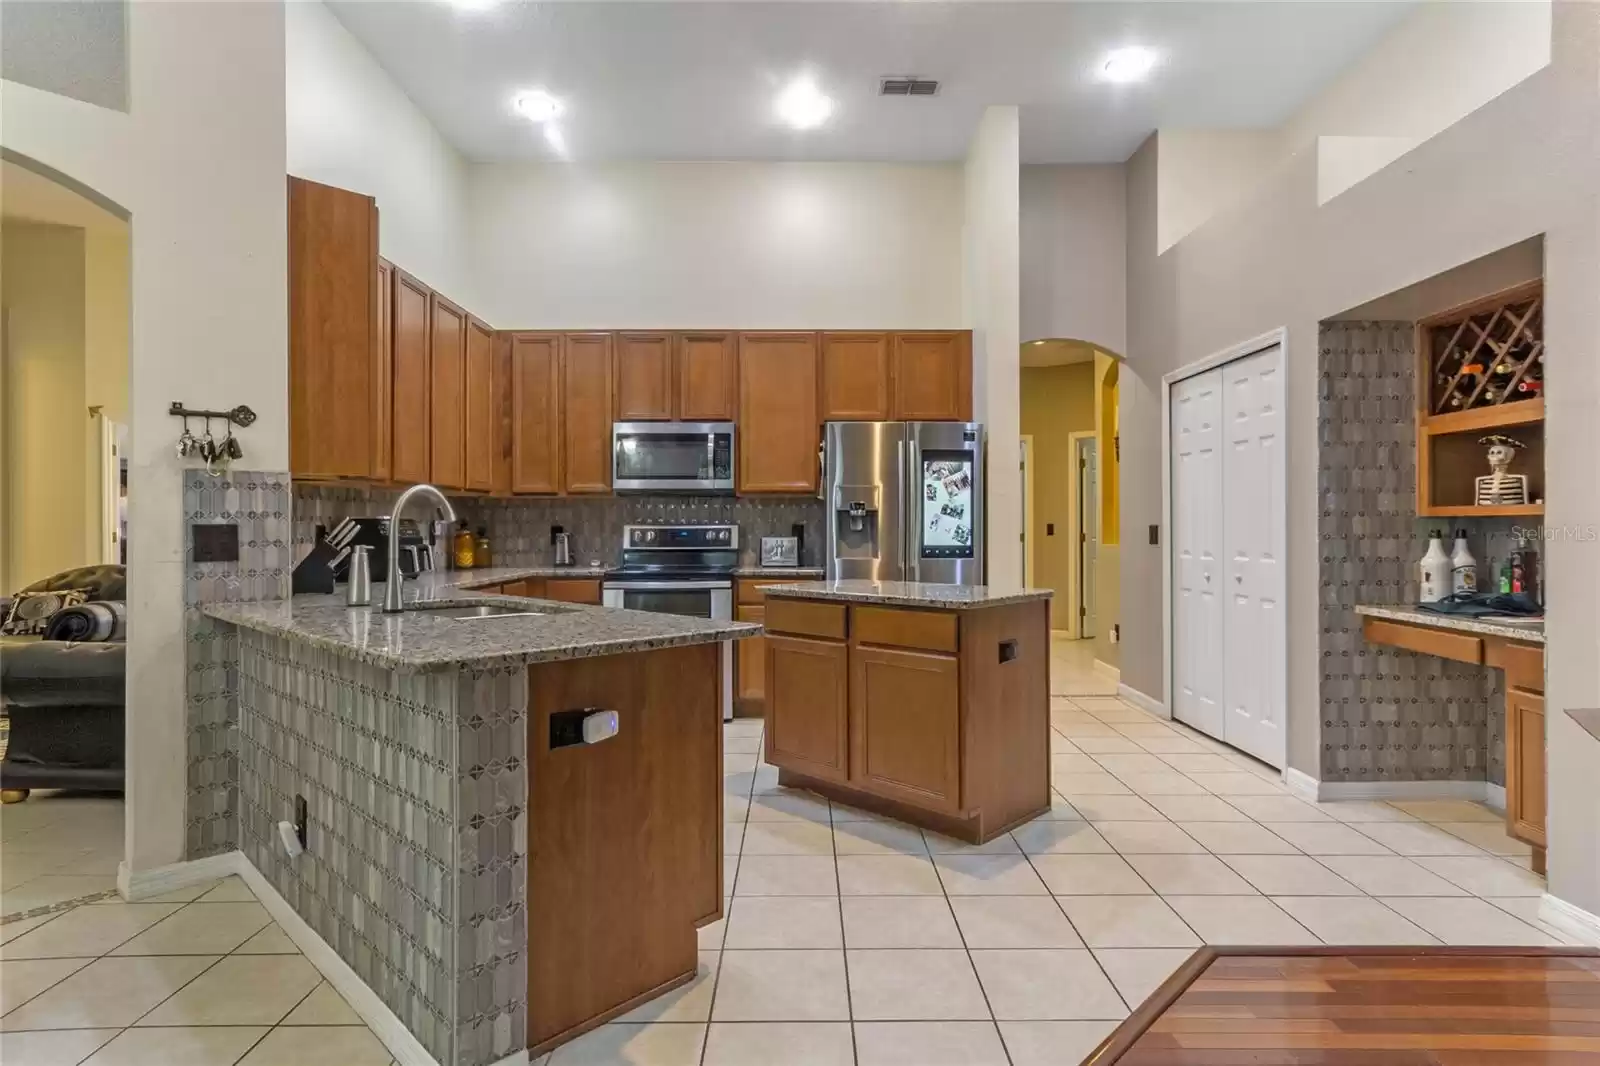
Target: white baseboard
1142 701
1495 796
135 885
1301 784
1401 790
1570 919
385 1025
1105 669
519 1059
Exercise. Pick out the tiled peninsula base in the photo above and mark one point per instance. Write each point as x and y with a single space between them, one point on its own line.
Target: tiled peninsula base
418 869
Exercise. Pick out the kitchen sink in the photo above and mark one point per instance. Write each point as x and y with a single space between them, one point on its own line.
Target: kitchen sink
474 612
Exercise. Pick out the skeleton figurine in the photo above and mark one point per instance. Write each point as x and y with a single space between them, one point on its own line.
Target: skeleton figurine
1498 488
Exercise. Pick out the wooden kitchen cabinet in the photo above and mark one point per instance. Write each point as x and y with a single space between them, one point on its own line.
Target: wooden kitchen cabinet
336 417
708 377
410 379
572 590
645 384
856 378
750 665
535 413
447 356
504 417
779 431
586 384
905 726
932 374
808 706
1525 767
482 423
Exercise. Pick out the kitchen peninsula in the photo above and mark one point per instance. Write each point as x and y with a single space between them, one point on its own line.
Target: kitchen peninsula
504 866
927 703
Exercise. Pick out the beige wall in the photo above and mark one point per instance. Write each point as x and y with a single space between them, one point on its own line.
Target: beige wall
1523 164
1057 401
1073 244
1205 172
1108 563
41 293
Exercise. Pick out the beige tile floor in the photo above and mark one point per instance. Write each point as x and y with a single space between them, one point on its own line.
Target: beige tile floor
201 977
851 940
1072 670
58 846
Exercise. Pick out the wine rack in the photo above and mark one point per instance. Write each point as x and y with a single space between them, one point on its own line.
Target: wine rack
1490 356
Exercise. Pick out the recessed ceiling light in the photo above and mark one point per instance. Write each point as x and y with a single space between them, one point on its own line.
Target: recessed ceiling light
536 105
1038 342
803 106
1128 64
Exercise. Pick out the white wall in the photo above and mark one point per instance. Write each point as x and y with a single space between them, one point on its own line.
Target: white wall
1074 235
734 245
992 301
1523 164
351 126
1206 172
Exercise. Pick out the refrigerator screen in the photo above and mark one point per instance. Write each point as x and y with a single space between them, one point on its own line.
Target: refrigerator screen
947 507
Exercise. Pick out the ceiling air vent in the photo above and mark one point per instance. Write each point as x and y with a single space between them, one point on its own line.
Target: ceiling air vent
907 85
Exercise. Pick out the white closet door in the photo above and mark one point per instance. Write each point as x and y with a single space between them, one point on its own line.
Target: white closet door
1252 552
1196 440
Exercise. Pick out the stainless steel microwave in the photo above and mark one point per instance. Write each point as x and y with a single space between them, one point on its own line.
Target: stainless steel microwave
672 457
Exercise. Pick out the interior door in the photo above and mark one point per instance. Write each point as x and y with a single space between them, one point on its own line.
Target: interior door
1088 533
1252 555
1196 464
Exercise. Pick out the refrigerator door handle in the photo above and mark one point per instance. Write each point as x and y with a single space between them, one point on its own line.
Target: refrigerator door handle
912 502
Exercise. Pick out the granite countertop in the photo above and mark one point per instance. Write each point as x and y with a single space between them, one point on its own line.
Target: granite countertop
908 593
434 580
1531 631
419 640
796 572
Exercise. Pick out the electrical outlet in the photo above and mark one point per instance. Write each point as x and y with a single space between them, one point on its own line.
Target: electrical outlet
300 819
1049 529
1155 534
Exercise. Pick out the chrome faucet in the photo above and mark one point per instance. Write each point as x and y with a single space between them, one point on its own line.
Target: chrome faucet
393 597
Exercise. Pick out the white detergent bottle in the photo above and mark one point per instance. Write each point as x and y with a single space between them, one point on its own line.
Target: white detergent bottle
1463 567
1435 570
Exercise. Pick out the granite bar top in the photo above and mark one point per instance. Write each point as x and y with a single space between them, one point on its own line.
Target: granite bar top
799 573
438 580
420 640
907 593
1531 631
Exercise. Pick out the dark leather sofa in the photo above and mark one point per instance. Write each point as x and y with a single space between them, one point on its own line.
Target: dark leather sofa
65 702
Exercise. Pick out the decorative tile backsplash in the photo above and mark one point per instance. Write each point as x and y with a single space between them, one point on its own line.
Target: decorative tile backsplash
258 502
1387 714
519 529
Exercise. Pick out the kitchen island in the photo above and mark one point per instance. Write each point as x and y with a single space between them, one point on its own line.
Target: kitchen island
926 703
499 882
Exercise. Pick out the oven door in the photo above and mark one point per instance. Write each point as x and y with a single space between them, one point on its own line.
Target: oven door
672 457
696 599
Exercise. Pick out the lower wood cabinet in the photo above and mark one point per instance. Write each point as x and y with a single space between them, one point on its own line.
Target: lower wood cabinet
572 590
808 706
1525 766
750 664
905 726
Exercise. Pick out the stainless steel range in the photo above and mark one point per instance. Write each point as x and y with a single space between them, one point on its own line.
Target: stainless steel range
679 570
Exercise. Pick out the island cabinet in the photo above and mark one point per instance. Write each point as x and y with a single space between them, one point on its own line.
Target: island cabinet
933 715
624 835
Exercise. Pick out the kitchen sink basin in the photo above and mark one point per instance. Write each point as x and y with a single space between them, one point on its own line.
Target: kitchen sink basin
474 612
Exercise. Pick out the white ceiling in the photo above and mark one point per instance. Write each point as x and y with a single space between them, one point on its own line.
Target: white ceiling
663 79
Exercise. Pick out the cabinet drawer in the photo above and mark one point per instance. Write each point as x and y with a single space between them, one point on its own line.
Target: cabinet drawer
928 630
1523 663
807 618
1423 640
572 590
753 590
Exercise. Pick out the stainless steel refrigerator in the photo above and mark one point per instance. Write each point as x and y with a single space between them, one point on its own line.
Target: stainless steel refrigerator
904 501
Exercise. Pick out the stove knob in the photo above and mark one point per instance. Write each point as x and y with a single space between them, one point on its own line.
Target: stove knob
650 535
722 534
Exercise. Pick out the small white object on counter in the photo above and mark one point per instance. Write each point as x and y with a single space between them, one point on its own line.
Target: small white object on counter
1435 570
1463 567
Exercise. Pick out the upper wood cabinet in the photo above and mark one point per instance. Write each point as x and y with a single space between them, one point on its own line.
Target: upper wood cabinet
586 407
481 421
333 322
779 431
447 355
708 377
856 385
644 379
932 375
383 376
535 360
503 415
410 378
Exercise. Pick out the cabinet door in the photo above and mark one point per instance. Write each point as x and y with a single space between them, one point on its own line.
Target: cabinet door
933 377
644 377
808 701
503 417
855 377
573 590
586 411
383 374
536 413
905 726
333 253
708 377
750 664
1525 777
412 302
531 586
481 420
447 356
778 427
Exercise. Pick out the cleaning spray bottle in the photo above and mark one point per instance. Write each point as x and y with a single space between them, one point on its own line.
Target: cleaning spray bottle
1463 567
1435 570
